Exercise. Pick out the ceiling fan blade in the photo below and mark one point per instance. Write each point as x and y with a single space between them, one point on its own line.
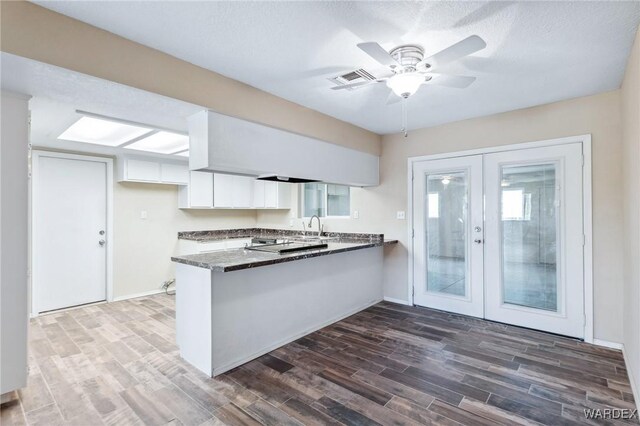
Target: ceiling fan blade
376 51
393 98
456 51
457 81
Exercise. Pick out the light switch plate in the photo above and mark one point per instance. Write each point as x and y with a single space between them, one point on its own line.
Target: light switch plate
400 215
143 214
356 214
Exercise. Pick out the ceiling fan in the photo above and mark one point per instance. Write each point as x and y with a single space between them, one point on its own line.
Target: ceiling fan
410 69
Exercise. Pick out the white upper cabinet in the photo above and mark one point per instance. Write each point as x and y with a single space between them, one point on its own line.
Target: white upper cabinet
174 173
223 144
242 192
223 187
223 191
152 171
198 193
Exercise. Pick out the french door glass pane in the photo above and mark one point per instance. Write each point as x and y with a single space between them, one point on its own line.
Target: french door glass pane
446 220
529 236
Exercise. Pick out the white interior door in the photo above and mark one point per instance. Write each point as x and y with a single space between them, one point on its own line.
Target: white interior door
69 256
448 234
534 238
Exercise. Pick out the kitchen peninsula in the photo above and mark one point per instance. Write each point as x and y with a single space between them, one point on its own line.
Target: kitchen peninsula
234 304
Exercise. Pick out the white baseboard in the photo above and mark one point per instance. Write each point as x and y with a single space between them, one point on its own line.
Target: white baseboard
398 301
289 339
607 344
136 295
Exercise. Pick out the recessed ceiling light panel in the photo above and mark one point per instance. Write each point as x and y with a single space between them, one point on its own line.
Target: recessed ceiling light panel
183 154
102 132
162 143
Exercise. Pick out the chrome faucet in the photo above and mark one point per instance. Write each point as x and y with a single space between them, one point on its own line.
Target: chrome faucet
320 226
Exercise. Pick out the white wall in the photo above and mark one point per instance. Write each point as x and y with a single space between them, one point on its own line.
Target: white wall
13 242
631 168
143 248
598 115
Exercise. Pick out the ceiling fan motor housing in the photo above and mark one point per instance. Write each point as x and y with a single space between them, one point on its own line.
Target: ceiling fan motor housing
408 56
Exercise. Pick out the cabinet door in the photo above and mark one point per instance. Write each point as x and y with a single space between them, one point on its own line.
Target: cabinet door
147 171
174 173
222 190
284 195
201 189
258 194
242 195
271 194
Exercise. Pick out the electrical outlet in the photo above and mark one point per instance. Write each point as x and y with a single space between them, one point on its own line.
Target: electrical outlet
143 214
400 215
356 214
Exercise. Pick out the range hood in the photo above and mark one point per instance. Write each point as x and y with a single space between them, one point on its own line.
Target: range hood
285 179
224 144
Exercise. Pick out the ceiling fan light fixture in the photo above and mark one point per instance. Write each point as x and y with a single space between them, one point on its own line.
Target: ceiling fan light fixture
405 85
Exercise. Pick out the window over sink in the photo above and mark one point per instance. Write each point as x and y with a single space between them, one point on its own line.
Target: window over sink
325 200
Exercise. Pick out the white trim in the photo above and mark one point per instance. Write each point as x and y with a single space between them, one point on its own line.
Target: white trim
587 224
398 301
136 295
587 210
632 381
607 344
36 154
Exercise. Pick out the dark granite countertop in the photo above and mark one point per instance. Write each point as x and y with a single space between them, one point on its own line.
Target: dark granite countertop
238 259
227 234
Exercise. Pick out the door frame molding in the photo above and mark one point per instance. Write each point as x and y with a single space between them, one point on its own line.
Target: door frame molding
36 155
587 218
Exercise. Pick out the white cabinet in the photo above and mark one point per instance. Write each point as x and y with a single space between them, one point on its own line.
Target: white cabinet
174 173
232 192
271 195
140 170
198 193
223 191
152 171
242 192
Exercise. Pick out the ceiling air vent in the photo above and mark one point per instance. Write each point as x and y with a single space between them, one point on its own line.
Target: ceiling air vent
355 76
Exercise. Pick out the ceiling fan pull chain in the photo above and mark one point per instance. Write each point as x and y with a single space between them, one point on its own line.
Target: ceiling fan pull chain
404 116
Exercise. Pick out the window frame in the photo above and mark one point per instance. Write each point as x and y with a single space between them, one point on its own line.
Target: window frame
302 215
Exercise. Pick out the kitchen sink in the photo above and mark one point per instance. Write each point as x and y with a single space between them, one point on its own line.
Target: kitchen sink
288 247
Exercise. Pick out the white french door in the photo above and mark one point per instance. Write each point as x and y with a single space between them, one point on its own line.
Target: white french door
515 258
448 234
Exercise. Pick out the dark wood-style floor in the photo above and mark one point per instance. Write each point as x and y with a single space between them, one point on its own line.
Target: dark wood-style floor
117 364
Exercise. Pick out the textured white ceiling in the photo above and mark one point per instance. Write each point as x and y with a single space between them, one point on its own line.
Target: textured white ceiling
538 52
57 93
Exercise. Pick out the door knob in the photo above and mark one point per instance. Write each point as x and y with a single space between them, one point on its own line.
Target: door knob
102 242
477 229
101 232
477 241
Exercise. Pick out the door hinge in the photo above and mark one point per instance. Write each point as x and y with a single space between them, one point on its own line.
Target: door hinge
412 175
584 240
584 319
582 157
413 233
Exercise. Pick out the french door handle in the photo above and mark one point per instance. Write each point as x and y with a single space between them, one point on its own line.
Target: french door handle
102 242
477 241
